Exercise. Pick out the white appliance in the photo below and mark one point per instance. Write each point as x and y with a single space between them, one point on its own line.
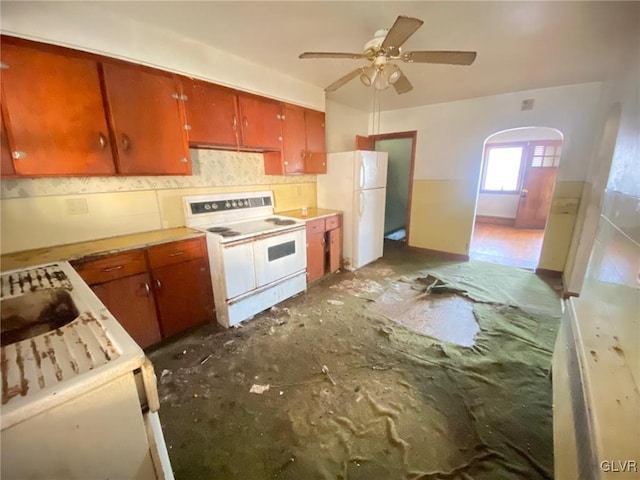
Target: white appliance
356 183
257 259
79 397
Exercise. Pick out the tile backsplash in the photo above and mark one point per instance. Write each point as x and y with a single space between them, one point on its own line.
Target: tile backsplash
44 212
211 168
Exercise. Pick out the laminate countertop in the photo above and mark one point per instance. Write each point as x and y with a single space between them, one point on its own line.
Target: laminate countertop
74 251
312 213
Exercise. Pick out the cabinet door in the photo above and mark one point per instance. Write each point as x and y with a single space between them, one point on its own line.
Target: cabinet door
260 123
145 115
130 300
315 255
55 114
212 114
184 295
335 249
316 157
293 134
6 166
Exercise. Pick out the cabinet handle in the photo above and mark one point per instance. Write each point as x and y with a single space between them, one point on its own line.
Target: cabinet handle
102 140
246 122
175 254
17 155
184 160
158 284
286 163
235 122
280 138
147 288
126 142
112 269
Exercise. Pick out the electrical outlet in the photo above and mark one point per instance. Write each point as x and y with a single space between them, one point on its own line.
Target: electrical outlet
77 206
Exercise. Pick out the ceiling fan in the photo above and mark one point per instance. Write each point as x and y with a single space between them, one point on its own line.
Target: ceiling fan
385 47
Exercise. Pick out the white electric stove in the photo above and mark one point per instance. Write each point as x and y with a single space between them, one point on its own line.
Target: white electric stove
257 259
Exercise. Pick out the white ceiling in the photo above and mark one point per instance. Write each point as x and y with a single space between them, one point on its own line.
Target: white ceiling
520 45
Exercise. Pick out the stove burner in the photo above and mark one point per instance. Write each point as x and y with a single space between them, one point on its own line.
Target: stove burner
280 221
229 233
218 229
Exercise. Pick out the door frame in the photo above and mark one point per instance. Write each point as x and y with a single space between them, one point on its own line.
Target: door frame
413 135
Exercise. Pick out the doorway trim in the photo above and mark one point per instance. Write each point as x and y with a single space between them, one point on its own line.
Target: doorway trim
413 135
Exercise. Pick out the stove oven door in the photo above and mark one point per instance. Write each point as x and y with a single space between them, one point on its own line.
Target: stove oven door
279 256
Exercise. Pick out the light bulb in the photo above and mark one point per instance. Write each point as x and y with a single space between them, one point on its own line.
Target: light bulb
393 73
381 82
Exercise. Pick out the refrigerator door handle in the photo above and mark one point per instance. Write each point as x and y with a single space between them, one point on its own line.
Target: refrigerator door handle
362 171
361 202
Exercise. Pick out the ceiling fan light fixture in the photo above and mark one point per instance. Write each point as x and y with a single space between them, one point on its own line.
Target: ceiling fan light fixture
369 76
392 73
381 81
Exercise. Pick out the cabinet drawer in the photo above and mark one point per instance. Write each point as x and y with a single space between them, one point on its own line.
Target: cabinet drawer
315 226
332 222
111 267
176 252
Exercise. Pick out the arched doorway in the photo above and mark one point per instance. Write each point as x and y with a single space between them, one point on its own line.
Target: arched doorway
517 179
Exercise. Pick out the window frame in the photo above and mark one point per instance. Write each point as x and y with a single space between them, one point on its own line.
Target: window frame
521 173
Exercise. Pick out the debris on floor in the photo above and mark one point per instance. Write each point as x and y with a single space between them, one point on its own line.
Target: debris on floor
369 389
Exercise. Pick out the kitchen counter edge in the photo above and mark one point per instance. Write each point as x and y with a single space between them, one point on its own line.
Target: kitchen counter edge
104 246
312 213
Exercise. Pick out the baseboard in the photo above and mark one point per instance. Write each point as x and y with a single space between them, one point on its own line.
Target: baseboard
508 222
447 255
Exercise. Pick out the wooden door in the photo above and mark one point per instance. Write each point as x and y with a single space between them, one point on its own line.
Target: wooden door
316 158
6 164
335 249
145 115
315 255
260 123
54 114
212 114
294 139
539 181
130 300
184 295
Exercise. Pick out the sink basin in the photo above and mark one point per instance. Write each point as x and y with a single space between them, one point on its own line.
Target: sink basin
34 313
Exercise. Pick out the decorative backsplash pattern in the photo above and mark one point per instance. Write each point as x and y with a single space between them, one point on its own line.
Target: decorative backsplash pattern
211 168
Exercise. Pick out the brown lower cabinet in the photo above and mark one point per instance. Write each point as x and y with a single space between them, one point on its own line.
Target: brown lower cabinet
154 292
324 246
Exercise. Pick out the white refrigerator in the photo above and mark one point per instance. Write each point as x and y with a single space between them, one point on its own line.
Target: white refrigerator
356 183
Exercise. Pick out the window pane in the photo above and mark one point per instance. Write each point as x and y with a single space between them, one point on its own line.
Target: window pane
503 168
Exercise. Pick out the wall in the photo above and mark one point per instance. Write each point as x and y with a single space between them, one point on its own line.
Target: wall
449 156
54 211
606 323
505 205
91 27
343 124
397 194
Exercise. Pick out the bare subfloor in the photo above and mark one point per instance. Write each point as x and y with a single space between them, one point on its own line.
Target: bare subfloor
410 368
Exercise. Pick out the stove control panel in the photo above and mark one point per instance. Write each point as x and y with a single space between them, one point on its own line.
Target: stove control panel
226 205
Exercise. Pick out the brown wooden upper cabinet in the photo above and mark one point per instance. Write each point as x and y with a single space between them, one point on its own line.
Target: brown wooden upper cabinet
260 123
55 117
316 151
212 114
303 149
6 165
148 127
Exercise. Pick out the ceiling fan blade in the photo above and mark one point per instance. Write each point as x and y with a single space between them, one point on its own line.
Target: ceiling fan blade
341 81
448 57
401 30
402 85
331 55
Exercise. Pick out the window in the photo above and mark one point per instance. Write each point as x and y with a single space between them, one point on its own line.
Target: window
502 169
506 164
